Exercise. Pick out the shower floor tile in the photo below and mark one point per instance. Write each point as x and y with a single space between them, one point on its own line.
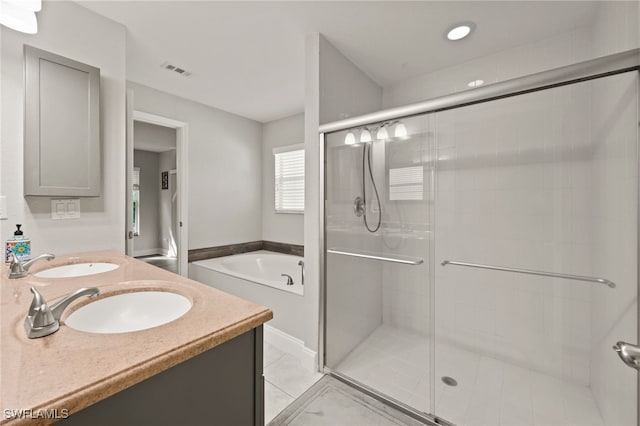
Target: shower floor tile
489 391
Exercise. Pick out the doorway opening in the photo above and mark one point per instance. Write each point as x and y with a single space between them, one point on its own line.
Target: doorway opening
156 194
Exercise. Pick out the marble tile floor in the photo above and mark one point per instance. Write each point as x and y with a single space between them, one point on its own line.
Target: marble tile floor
489 391
330 402
285 379
165 262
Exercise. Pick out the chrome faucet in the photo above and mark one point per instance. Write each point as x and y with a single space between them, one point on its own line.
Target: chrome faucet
42 320
301 264
289 279
18 269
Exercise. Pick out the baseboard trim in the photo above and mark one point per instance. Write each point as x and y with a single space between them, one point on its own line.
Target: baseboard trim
293 346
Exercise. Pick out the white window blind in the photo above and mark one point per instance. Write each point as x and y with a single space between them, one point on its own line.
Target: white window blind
405 183
289 179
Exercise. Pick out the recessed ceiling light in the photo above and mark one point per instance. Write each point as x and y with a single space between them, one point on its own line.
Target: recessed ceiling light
475 83
460 31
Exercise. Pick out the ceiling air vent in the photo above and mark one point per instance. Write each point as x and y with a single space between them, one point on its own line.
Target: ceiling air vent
176 69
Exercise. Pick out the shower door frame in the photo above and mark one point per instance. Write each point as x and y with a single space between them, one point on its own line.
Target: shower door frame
618 63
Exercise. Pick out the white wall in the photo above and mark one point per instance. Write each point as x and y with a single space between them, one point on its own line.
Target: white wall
148 240
74 32
335 88
279 227
345 90
225 172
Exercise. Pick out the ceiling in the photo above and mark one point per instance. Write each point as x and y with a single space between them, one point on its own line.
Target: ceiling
248 57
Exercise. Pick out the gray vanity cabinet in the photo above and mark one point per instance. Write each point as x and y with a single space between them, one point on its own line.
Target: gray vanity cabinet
62 126
223 386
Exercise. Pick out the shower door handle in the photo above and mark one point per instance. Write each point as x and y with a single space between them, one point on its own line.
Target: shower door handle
628 353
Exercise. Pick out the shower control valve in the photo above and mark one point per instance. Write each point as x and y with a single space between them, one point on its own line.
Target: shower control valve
358 206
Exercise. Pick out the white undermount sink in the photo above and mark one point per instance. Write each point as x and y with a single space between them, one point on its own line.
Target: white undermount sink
127 312
77 270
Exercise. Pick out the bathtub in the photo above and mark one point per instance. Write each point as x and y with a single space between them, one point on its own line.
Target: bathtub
261 267
255 276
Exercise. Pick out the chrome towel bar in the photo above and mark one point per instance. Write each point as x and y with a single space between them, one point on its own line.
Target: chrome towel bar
532 272
406 260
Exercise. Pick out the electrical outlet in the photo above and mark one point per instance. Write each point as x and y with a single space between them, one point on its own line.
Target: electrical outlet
3 208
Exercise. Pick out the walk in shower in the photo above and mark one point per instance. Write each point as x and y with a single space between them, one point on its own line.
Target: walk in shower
498 264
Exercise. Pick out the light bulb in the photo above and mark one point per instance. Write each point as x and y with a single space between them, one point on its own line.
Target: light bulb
459 32
350 138
382 134
365 136
18 18
400 131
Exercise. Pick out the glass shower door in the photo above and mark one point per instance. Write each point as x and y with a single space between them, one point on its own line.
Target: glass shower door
379 202
545 181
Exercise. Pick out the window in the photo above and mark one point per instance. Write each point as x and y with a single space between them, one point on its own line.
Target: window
289 179
136 201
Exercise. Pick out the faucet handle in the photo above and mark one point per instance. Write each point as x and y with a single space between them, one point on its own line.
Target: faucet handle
39 311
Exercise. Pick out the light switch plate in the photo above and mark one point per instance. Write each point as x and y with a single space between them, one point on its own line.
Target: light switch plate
3 207
65 209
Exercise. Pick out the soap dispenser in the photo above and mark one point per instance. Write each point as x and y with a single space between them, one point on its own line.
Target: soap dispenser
18 244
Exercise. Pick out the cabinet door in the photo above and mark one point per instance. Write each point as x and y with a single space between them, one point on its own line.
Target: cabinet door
62 126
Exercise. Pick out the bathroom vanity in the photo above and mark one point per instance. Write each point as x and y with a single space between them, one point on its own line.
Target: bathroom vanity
204 367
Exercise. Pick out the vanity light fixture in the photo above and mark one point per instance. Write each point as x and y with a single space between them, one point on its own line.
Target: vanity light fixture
350 138
365 135
475 83
400 131
20 15
460 31
382 133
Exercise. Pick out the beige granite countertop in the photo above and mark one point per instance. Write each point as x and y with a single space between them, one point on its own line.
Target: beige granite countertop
70 370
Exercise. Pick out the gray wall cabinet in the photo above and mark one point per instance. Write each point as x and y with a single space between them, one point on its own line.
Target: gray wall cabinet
62 126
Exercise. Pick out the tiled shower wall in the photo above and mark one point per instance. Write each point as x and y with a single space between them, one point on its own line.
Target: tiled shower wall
513 189
615 246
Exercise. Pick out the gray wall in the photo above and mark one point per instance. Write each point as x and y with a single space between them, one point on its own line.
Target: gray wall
334 88
101 44
148 242
280 227
225 172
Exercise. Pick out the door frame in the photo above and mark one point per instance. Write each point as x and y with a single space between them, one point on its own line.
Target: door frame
182 139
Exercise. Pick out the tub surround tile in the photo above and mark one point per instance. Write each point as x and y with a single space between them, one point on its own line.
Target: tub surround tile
285 248
72 370
231 249
221 251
